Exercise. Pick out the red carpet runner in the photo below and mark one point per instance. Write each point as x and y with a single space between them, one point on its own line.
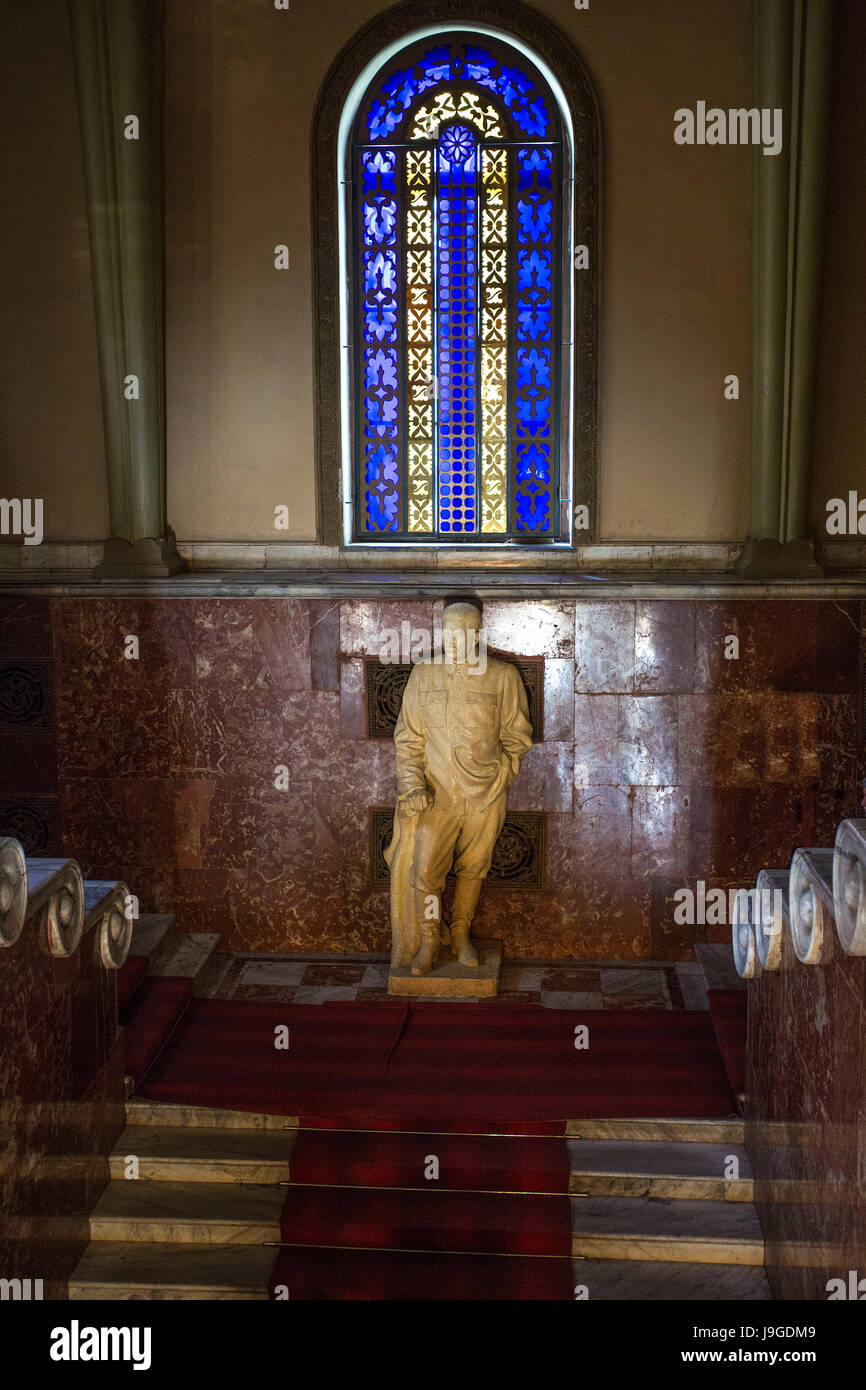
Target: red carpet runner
407 1236
490 1087
442 1066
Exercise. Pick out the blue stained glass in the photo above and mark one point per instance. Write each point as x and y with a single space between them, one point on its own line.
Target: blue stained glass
535 218
441 65
538 162
480 66
435 67
380 407
535 515
378 173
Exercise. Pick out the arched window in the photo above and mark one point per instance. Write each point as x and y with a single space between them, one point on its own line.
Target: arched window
457 229
455 174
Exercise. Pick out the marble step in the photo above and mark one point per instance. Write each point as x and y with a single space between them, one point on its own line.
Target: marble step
155 1112
717 963
623 1168
168 1153
153 933
730 1131
212 975
186 956
199 1213
654 1228
662 1281
131 1270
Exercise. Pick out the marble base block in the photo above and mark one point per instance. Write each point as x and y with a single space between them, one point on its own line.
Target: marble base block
449 979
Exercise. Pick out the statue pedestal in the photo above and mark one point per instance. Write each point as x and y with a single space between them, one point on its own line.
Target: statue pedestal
449 979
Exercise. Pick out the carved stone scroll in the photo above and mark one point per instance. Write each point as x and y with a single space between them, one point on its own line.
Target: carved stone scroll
849 886
809 902
771 915
743 935
13 891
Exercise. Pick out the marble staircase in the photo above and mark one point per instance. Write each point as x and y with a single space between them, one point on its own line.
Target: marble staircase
171 954
193 1207
201 1219
654 1216
164 970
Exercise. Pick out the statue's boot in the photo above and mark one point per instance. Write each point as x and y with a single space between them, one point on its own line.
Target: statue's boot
429 933
466 896
425 957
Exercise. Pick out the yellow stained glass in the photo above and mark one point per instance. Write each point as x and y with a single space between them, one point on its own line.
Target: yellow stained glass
467 107
419 331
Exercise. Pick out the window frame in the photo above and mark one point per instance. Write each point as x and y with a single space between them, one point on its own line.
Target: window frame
377 46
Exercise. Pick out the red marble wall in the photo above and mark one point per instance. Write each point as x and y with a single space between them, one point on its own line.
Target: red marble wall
662 762
806 1119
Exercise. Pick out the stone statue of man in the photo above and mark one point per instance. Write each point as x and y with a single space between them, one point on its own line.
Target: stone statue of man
461 735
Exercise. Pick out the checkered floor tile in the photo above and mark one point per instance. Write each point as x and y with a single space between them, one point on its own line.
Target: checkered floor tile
562 985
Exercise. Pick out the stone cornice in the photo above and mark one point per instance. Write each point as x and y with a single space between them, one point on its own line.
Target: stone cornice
323 583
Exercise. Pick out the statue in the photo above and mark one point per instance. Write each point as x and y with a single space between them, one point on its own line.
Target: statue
461 735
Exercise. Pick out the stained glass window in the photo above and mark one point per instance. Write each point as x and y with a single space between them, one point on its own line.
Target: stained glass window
457 177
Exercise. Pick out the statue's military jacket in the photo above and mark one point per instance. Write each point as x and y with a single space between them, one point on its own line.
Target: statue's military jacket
462 733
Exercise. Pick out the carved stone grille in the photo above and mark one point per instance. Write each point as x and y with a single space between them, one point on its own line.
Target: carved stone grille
32 821
25 696
518 857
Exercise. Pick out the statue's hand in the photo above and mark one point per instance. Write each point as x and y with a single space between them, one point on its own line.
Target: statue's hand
416 802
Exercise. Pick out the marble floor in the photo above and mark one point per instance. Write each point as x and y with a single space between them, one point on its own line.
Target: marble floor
551 985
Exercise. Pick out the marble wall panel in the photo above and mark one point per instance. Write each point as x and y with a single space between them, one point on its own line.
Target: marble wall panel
546 779
660 830
353 700
531 629
28 765
647 739
324 644
558 700
664 648
596 740
25 628
734 829
662 761
363 625
604 657
601 831
28 733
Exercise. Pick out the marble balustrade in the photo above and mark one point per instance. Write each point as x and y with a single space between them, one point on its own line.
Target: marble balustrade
821 889
61 1094
806 1065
